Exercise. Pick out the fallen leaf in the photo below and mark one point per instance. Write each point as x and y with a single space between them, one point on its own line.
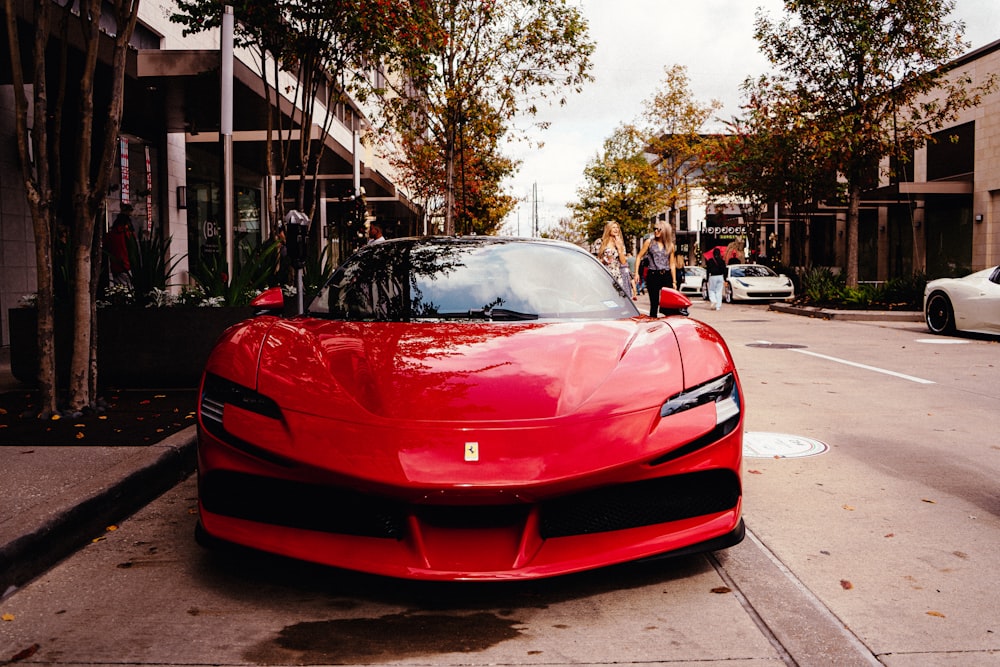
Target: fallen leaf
936 613
848 508
890 535
79 426
846 585
2 411
7 617
55 418
722 589
80 435
145 402
160 396
25 654
755 472
102 417
111 528
926 500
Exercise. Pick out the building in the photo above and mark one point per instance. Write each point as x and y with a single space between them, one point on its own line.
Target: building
169 162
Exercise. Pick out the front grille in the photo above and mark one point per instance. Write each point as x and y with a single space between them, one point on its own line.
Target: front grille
640 504
296 505
334 510
770 295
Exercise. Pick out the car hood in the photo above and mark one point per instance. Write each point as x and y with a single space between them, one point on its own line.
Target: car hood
453 372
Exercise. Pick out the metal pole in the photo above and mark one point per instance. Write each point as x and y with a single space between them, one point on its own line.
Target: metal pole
226 134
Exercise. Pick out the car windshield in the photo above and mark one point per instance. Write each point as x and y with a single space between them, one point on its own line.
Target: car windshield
480 279
753 271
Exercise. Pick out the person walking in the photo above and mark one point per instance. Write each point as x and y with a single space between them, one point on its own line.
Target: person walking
612 255
715 265
659 254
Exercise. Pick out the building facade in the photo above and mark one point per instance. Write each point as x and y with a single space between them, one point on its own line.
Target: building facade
169 163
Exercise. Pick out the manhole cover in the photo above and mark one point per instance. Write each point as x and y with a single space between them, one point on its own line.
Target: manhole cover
777 346
757 445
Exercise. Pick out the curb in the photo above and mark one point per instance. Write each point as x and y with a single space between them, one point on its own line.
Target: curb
77 516
855 315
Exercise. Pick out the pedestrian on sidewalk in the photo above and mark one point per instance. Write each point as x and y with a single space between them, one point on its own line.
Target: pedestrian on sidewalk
613 257
662 272
715 265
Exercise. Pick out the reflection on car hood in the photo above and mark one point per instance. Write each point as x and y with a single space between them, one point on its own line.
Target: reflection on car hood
471 371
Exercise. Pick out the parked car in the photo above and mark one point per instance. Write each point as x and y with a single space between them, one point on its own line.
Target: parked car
441 411
690 279
753 282
971 303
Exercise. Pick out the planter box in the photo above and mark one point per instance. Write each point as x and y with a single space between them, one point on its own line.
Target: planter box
137 348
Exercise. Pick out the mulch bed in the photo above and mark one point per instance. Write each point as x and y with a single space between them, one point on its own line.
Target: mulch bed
129 418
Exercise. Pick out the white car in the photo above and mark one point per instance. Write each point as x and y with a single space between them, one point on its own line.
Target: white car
690 279
753 282
971 303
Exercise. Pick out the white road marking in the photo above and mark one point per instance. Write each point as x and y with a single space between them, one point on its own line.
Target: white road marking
865 367
942 341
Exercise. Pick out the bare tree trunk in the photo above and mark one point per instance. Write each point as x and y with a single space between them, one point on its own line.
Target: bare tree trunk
37 188
90 189
853 207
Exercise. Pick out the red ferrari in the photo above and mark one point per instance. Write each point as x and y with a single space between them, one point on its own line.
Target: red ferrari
471 408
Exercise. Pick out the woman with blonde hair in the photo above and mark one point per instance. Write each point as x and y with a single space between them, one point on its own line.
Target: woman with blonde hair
612 254
662 264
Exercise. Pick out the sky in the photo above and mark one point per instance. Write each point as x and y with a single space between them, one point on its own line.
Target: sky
635 41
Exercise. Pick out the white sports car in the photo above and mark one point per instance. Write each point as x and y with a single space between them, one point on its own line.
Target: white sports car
971 303
753 282
690 279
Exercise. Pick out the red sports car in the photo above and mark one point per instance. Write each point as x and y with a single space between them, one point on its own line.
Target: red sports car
471 408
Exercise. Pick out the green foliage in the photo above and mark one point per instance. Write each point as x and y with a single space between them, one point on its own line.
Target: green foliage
821 287
317 271
619 184
256 265
151 268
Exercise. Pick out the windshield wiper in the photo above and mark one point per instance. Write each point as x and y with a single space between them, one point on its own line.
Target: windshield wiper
489 314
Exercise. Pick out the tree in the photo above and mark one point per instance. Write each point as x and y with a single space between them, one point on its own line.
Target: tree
767 156
619 184
569 230
676 123
480 203
859 73
96 130
470 57
328 47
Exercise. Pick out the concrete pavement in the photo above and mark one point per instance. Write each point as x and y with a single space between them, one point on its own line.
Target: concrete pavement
56 499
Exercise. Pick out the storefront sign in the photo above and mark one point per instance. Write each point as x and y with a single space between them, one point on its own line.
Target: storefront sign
123 152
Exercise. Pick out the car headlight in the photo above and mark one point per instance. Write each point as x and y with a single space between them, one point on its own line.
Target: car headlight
721 391
222 391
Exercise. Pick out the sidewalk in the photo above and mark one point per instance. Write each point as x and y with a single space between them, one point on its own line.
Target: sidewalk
57 499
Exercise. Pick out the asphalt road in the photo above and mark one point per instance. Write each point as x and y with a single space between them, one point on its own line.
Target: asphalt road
879 550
